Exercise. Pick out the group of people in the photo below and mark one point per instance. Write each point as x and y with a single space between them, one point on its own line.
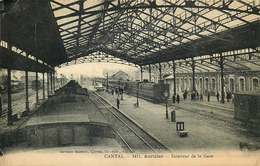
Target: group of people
196 96
176 98
118 92
185 94
229 96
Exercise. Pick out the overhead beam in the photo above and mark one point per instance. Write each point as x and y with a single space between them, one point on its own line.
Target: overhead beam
255 10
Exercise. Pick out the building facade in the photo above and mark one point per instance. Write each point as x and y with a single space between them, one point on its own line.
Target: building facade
211 82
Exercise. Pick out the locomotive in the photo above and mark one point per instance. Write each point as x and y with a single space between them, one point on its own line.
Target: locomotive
150 91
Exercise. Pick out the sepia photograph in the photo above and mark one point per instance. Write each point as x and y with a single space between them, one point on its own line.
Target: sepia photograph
129 82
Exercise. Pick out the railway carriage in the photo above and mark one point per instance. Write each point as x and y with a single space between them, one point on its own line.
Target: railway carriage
147 90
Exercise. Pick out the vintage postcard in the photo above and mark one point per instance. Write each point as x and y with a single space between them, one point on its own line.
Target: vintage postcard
129 82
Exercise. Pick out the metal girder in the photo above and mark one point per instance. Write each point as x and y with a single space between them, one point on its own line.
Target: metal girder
117 54
231 16
244 66
81 8
251 10
99 57
99 21
140 30
62 6
150 23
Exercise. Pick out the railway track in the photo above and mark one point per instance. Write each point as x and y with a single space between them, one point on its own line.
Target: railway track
132 136
229 122
223 109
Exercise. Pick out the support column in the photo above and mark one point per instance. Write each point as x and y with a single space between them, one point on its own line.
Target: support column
221 63
48 84
174 77
26 92
160 71
2 10
9 98
141 73
43 86
1 105
107 80
54 80
193 75
51 82
247 83
217 82
236 83
37 88
137 95
150 74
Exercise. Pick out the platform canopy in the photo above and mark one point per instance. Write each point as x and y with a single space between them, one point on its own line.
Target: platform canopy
141 32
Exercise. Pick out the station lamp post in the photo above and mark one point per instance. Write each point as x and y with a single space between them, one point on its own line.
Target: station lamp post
107 82
137 95
166 96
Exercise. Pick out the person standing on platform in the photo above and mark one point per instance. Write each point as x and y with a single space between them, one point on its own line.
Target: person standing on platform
208 96
197 95
112 92
178 98
193 95
185 95
228 96
201 97
117 102
217 96
122 93
173 99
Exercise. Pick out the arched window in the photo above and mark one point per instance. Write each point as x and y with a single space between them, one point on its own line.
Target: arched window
255 83
182 84
242 84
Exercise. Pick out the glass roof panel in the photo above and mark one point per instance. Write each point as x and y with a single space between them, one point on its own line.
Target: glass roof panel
139 27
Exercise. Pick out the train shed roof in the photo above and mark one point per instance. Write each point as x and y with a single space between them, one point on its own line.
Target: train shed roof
138 31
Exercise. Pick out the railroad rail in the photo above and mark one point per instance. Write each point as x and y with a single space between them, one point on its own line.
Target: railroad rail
229 122
131 134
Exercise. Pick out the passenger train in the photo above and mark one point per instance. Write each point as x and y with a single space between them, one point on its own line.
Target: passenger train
147 90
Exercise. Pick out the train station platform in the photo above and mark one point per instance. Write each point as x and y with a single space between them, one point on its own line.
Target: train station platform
204 132
82 111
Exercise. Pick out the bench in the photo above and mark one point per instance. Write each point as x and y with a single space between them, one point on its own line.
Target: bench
180 129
